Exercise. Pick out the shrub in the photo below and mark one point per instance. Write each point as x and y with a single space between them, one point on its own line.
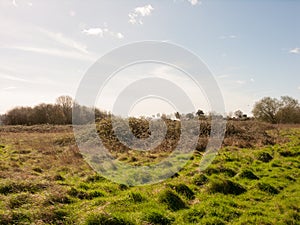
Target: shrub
172 200
226 187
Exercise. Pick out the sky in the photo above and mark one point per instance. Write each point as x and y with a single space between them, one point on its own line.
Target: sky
252 48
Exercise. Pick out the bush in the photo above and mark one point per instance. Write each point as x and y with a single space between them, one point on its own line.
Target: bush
226 187
172 200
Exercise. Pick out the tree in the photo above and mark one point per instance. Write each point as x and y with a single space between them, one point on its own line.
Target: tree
200 114
266 109
238 114
189 116
66 102
289 111
285 110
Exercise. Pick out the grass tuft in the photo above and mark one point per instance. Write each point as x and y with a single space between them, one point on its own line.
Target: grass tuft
185 191
157 218
200 179
226 186
248 174
267 188
104 219
264 157
173 201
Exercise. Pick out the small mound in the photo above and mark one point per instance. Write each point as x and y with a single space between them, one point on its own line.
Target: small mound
136 197
173 201
221 169
267 188
104 219
84 194
185 191
248 174
264 157
157 218
226 187
200 180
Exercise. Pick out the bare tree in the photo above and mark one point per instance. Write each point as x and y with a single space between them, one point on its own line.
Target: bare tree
66 103
266 109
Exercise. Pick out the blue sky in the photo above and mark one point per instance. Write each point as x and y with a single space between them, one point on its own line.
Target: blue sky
251 47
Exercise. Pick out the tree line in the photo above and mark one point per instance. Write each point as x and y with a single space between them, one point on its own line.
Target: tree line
59 113
272 110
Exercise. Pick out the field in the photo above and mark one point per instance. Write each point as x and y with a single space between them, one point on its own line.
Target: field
253 180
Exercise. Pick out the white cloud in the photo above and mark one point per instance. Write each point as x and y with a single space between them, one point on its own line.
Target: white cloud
135 17
102 32
120 36
252 80
55 52
232 36
295 51
13 78
60 38
240 81
144 10
94 31
299 88
195 2
30 4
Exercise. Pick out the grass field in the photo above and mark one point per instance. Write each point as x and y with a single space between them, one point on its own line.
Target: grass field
44 180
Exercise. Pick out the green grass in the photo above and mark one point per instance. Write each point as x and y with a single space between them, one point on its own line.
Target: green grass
43 180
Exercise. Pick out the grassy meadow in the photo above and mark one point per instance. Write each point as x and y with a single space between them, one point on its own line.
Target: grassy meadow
253 180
